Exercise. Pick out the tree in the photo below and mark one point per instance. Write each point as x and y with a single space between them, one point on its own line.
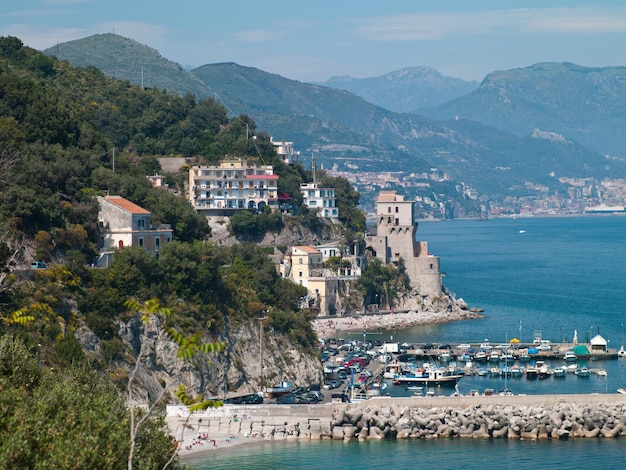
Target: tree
189 346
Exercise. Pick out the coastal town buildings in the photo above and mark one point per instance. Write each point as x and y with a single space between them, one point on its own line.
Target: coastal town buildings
304 265
322 199
124 223
285 151
232 185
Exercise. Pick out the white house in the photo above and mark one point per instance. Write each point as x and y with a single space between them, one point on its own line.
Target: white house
322 199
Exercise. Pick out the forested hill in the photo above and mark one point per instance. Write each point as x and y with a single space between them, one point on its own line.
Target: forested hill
67 336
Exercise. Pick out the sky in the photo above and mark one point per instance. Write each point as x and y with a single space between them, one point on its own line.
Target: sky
312 41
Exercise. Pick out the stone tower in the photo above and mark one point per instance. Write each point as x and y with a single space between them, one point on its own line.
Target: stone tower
396 238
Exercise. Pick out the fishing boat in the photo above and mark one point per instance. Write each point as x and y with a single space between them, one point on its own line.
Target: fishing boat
429 375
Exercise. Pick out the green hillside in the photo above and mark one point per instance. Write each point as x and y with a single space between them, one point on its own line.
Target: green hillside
341 127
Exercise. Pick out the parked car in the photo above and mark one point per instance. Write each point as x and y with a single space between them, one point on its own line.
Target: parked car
332 384
38 265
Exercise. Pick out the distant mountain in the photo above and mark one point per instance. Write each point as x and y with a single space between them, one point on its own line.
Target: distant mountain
342 127
581 103
405 90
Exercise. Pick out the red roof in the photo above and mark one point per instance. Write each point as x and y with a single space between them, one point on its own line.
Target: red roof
126 205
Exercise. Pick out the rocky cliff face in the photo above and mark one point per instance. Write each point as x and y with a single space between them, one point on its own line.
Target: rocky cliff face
236 370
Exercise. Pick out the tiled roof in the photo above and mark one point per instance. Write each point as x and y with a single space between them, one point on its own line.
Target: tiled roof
126 205
307 249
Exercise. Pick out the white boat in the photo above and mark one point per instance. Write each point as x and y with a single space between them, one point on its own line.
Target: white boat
570 356
602 373
622 391
281 389
445 356
582 372
480 356
621 352
429 375
559 371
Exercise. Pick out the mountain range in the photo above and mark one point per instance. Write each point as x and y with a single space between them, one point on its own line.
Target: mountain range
502 137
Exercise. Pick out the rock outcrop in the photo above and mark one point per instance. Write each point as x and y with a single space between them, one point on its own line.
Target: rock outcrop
236 370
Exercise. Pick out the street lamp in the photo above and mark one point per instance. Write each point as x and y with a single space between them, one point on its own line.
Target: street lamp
261 346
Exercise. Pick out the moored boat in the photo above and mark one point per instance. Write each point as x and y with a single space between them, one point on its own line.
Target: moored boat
282 388
582 372
570 356
429 376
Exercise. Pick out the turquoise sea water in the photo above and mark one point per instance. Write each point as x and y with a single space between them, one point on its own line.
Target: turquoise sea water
557 275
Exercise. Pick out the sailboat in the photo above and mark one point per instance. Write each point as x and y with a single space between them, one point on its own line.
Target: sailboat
621 352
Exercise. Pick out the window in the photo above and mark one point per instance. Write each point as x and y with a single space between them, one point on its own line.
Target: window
300 261
397 209
300 275
140 241
389 209
157 242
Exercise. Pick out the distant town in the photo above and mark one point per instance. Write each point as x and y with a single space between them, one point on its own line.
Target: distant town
583 196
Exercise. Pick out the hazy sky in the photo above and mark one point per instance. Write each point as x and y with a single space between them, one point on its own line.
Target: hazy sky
319 39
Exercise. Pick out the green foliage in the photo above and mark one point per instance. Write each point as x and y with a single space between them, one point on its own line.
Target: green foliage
254 225
43 414
383 284
347 202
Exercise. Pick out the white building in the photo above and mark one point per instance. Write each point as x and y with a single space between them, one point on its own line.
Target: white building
232 185
285 151
322 199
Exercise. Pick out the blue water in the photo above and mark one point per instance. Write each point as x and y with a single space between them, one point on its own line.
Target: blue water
558 276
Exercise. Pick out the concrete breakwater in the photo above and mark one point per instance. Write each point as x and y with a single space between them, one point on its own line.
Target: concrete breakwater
507 417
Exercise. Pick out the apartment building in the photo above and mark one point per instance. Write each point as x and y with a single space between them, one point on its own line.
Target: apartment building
322 199
232 185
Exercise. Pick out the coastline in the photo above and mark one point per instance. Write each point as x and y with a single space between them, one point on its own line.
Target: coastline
329 327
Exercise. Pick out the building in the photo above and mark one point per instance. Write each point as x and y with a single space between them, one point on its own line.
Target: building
304 265
285 151
124 223
322 199
231 186
352 258
396 238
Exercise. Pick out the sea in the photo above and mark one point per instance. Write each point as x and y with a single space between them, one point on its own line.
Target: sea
553 277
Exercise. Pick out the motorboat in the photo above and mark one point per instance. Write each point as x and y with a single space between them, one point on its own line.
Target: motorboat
282 388
570 356
445 356
621 352
480 356
559 371
583 372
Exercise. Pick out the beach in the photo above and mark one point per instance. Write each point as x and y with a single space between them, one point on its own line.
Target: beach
330 327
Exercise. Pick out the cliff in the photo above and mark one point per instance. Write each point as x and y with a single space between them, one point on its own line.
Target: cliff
236 370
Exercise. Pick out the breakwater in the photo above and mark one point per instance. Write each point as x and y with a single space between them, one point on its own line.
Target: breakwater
498 417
